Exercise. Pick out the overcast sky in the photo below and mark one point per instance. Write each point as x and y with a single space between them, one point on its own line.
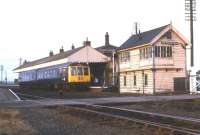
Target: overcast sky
30 28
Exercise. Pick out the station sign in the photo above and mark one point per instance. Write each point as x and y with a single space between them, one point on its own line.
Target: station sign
170 42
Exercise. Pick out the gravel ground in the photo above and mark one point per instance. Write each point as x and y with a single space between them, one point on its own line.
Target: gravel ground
55 121
185 108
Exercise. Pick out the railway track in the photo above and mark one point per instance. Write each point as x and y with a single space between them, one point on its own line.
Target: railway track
23 96
160 123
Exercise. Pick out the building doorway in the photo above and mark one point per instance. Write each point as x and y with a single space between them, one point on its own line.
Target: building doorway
97 71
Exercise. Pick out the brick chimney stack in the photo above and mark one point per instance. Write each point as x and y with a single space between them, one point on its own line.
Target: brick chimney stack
87 43
61 49
51 53
73 47
107 39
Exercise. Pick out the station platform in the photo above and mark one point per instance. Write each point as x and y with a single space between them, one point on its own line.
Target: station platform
7 95
100 101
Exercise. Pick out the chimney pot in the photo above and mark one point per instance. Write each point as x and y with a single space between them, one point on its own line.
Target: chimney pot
73 47
25 61
87 43
61 50
51 53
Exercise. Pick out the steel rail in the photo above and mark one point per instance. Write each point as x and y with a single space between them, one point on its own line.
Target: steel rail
28 96
112 113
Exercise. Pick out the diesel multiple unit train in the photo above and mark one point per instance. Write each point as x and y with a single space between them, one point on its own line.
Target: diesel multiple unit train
59 76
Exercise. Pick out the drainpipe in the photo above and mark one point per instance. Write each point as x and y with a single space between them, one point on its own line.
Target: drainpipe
142 82
113 68
153 69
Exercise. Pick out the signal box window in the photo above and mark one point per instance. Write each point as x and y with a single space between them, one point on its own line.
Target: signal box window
124 80
135 80
145 79
146 53
79 71
85 71
125 57
73 71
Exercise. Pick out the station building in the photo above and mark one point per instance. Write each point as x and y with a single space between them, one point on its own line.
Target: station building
45 67
153 61
111 69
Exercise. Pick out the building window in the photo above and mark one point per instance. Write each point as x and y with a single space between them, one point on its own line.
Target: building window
124 80
169 51
145 79
157 51
163 51
141 53
149 52
146 53
125 56
135 80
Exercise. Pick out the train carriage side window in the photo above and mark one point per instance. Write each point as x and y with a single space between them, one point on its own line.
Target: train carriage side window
79 71
86 71
73 71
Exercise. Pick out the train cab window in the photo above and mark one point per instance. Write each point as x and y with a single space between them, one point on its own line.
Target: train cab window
73 71
79 71
85 71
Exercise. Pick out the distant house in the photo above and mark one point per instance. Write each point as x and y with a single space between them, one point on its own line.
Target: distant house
111 67
152 61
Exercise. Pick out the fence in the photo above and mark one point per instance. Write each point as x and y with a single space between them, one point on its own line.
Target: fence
195 84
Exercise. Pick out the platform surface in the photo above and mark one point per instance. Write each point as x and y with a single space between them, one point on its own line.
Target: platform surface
11 101
7 95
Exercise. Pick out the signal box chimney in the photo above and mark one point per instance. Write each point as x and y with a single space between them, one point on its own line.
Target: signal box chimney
107 39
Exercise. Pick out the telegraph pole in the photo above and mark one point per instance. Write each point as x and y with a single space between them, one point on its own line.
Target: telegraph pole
190 15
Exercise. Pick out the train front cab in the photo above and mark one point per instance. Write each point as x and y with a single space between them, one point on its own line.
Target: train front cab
79 75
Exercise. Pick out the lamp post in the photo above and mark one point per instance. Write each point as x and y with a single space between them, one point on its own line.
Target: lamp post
1 73
113 67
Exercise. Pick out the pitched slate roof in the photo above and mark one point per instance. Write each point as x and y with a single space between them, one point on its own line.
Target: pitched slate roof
50 58
106 47
142 38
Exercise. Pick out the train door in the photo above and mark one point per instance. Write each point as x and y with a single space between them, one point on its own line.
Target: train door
64 74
